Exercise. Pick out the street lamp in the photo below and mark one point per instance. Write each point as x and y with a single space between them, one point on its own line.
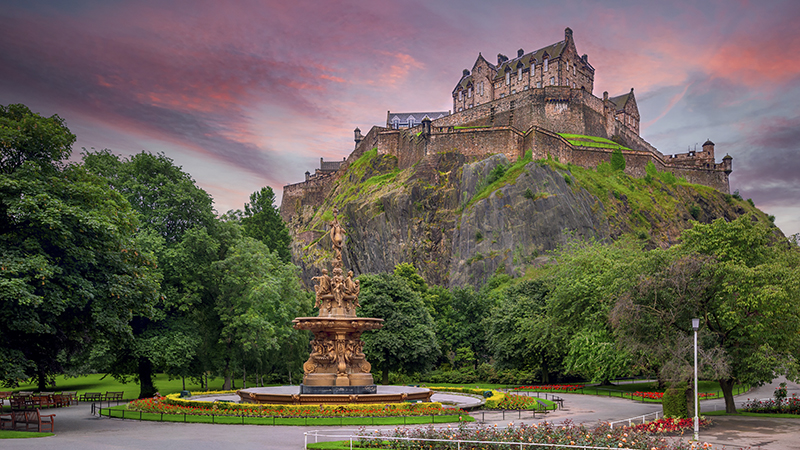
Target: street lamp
695 327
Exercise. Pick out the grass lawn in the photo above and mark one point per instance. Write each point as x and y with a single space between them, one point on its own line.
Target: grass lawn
121 412
103 383
11 434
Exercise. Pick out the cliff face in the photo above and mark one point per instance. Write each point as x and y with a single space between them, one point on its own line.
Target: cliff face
458 222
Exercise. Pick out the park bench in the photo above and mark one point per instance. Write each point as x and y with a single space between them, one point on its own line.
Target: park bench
113 396
91 397
71 397
558 400
31 418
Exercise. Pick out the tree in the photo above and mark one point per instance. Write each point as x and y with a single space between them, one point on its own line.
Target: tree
27 136
171 207
585 284
166 198
521 335
407 341
262 221
71 273
259 295
752 312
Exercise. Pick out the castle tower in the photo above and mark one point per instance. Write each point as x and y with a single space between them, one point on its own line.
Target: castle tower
708 148
358 136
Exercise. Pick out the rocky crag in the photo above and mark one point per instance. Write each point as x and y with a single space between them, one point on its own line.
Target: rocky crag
459 222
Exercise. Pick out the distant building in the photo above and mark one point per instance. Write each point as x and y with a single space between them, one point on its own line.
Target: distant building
410 120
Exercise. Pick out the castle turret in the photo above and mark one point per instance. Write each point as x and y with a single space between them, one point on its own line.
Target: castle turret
358 136
708 148
727 164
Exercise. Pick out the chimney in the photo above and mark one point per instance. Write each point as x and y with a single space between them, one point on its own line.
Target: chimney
520 52
568 34
465 73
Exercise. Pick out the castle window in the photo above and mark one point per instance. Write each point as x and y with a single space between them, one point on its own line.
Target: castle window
573 70
503 94
525 88
552 81
513 91
546 65
538 84
508 78
519 74
459 95
469 93
460 109
567 81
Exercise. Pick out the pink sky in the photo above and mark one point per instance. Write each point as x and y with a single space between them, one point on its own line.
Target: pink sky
249 94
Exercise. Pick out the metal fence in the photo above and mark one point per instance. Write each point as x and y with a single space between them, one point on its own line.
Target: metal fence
455 444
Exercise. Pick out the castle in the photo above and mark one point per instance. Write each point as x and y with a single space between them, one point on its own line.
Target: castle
540 101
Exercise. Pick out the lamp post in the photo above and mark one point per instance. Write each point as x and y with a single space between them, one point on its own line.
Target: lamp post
695 327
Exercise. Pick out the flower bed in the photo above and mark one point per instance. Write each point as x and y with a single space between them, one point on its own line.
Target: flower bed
516 402
669 425
552 387
545 433
773 406
172 404
660 395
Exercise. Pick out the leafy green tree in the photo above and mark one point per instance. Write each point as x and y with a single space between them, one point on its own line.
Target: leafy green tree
752 312
166 198
521 335
262 221
72 276
171 207
259 296
407 341
585 284
27 136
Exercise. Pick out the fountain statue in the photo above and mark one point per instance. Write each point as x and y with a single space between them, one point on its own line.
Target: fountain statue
337 364
337 371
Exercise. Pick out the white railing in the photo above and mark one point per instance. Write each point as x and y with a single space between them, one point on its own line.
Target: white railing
637 419
354 437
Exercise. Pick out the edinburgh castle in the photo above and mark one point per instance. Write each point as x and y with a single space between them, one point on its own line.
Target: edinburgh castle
541 101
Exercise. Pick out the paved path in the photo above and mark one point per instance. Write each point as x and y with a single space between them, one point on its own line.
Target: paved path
77 429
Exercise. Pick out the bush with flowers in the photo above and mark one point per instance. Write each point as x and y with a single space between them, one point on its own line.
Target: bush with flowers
552 387
773 406
670 425
544 433
171 404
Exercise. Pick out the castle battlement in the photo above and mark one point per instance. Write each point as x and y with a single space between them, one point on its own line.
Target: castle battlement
523 104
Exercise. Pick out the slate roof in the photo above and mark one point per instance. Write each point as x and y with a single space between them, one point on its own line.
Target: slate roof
620 100
402 118
524 61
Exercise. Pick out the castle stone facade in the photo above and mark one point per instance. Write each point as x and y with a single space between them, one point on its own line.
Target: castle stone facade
528 103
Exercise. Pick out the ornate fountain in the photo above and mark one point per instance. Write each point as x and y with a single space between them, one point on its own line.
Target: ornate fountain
337 364
337 371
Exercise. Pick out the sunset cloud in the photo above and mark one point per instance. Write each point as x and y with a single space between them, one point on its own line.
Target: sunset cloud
251 93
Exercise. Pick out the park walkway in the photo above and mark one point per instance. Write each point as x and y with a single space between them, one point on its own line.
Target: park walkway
77 429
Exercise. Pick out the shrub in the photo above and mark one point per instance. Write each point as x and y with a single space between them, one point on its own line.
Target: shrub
695 210
528 194
617 160
674 402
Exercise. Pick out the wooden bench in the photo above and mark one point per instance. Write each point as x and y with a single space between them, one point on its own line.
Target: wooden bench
30 418
113 396
91 397
71 397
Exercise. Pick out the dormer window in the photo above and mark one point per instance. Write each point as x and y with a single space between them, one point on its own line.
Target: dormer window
396 123
410 122
508 78
519 73
546 66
